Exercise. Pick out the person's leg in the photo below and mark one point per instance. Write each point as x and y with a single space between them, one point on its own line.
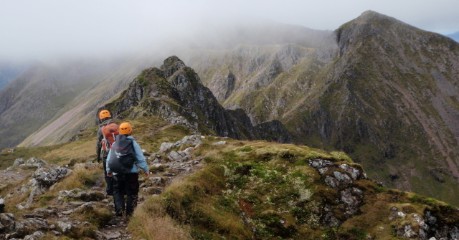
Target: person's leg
108 180
118 193
132 191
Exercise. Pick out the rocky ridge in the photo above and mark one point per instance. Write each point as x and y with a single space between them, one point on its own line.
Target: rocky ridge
175 93
322 191
381 90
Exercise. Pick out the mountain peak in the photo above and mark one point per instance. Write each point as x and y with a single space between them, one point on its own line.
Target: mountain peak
171 65
369 14
371 25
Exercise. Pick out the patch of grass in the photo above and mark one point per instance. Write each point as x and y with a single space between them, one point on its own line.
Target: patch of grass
7 158
97 216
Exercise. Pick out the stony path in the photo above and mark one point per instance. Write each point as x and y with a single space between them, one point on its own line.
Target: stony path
63 215
172 165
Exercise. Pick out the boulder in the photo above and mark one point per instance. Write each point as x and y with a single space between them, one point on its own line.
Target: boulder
79 194
64 227
46 177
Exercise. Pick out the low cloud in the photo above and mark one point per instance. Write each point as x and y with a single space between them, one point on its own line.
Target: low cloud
55 28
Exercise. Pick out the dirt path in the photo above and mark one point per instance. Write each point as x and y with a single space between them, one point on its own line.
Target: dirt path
154 184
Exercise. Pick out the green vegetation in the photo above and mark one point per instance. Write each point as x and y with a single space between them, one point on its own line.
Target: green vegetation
266 191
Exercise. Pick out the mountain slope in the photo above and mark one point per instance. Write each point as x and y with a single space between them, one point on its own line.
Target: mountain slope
384 92
37 95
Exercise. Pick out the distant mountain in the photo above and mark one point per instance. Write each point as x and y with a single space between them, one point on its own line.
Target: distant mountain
379 89
454 36
63 94
95 83
9 71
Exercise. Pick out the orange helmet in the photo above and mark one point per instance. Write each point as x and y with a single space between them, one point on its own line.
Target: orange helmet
125 128
104 114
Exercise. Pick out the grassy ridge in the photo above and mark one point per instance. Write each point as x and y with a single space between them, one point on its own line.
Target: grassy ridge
268 191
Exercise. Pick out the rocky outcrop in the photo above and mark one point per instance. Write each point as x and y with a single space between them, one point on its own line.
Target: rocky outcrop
175 93
341 178
42 179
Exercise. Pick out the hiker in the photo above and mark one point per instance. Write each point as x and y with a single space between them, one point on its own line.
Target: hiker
123 163
105 137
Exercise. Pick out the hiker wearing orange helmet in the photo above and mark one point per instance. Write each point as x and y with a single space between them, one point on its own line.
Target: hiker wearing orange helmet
123 163
105 138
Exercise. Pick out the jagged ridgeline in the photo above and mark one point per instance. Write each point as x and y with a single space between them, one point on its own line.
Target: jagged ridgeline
175 93
382 91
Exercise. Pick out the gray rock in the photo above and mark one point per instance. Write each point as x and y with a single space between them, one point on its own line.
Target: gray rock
35 236
179 156
30 225
79 194
85 207
46 177
18 162
192 140
323 170
33 163
353 172
45 212
351 200
406 231
331 181
111 235
64 227
320 163
7 222
342 177
165 146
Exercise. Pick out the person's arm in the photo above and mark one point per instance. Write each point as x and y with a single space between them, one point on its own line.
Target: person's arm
99 144
109 173
140 158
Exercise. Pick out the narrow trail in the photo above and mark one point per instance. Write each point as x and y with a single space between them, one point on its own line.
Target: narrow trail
43 202
177 165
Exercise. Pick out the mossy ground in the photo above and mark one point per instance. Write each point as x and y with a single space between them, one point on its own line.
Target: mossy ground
266 190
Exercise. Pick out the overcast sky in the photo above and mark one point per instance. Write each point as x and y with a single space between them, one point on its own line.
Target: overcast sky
46 28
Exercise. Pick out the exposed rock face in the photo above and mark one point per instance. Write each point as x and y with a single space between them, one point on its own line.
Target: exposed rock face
175 93
340 177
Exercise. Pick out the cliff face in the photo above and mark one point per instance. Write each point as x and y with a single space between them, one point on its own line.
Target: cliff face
175 93
392 103
381 90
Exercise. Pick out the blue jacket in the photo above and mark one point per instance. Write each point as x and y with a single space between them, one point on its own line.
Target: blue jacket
140 161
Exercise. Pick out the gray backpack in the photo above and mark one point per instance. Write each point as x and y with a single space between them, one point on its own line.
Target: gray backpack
122 156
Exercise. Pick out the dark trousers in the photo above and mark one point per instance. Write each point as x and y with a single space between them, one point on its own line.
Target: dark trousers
108 180
125 184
